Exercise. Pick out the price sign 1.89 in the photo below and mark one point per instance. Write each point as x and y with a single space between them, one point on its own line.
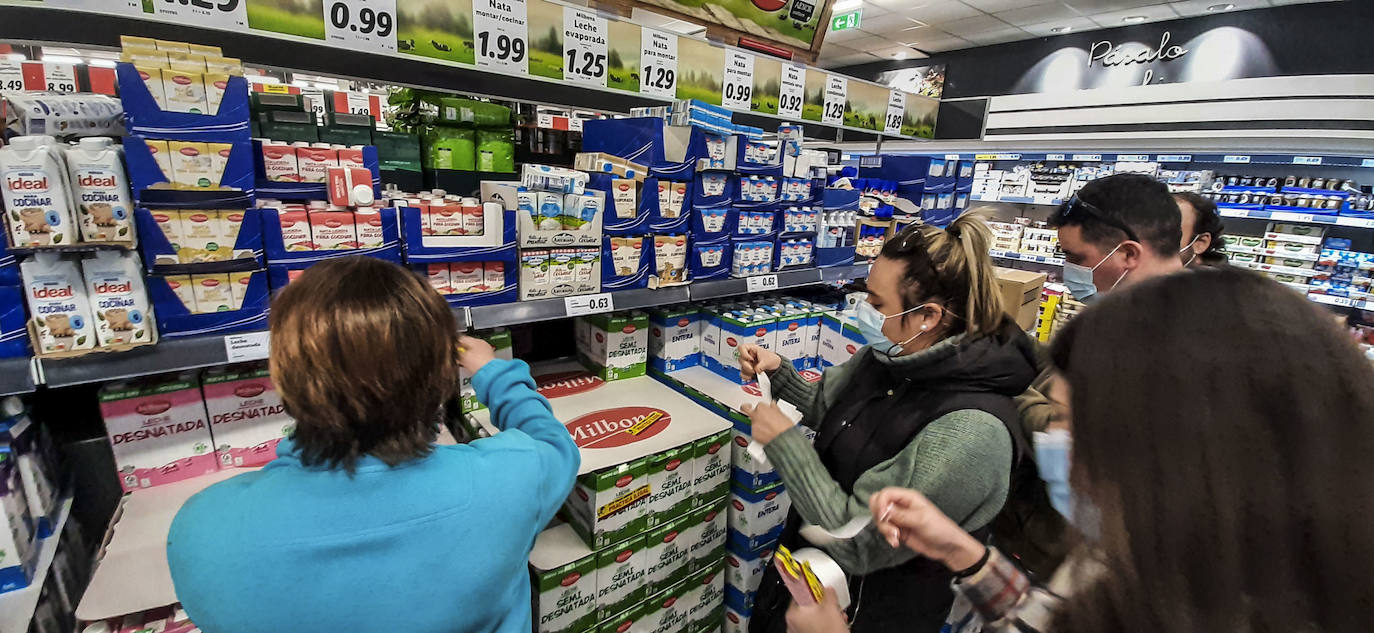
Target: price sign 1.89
501 34
584 47
896 110
365 24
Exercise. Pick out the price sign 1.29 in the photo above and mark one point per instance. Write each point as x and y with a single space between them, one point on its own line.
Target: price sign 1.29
501 28
364 24
658 53
584 47
220 14
836 94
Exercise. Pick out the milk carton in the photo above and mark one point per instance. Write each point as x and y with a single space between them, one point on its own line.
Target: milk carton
670 484
58 304
665 612
674 338
158 431
839 339
744 569
705 535
295 230
618 346
33 187
114 283
792 337
534 274
200 236
610 505
212 292
180 285
563 571
744 468
627 621
247 417
193 164
756 517
620 572
666 554
101 190
705 597
17 544
711 467
736 621
710 335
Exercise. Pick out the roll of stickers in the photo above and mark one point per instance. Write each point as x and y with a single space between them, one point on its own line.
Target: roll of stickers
807 572
755 450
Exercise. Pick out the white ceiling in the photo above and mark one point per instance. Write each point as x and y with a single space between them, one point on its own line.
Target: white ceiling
913 29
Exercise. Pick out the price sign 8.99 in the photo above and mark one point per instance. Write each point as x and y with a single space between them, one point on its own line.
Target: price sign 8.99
584 47
218 14
368 25
501 34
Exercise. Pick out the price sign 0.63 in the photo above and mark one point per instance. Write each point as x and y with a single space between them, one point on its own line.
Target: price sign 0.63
588 304
366 24
502 34
220 14
584 47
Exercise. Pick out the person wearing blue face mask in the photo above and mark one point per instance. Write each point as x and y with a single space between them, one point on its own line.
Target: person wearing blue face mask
927 404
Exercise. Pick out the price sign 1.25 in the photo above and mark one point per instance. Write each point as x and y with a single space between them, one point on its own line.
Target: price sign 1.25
584 47
364 24
501 28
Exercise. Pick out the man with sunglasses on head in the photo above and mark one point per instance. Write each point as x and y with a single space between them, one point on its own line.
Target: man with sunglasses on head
1118 230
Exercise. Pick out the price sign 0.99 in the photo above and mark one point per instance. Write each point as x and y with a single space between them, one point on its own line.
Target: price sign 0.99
584 47
658 53
218 14
588 304
793 86
739 80
501 29
896 109
836 94
368 25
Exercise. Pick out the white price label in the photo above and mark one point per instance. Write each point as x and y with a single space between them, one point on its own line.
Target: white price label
1133 158
1368 162
1174 158
1088 158
368 25
584 47
896 109
1054 157
1307 160
588 304
11 76
125 7
739 80
1234 158
575 123
501 29
792 91
250 346
949 156
544 120
49 77
218 14
357 103
761 283
836 95
658 53
314 99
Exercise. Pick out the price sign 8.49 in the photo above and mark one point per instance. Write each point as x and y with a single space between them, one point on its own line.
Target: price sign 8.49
584 47
219 14
364 24
501 30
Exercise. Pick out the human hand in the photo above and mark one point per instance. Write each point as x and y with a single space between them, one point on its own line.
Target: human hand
768 421
825 617
474 353
906 517
754 360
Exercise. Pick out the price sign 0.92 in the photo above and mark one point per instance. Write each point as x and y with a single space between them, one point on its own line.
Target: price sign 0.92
584 47
501 32
896 110
219 14
658 53
836 94
739 80
368 25
588 304
793 86
761 283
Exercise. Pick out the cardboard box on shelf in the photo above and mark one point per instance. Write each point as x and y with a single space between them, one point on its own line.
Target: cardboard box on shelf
711 478
674 337
666 553
563 570
840 339
705 533
1021 291
610 505
755 517
620 577
670 484
744 568
615 345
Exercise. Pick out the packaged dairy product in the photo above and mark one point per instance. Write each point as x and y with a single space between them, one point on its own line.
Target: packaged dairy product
666 554
550 207
665 199
580 211
158 431
180 285
494 276
562 270
620 572
101 190
711 467
625 254
215 85
16 531
280 163
665 612
705 597
674 338
439 278
295 230
238 287
585 277
192 164
34 189
755 517
705 535
627 621
534 274
152 79
332 230
162 155
744 568
670 484
247 417
474 218
677 195
212 292
351 156
58 304
219 159
200 237
368 224
624 198
185 91
839 340
230 225
618 344
563 570
314 161
114 282
445 218
609 506
670 258
467 277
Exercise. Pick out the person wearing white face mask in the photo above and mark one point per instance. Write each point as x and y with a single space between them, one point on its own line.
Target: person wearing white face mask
1202 230
927 405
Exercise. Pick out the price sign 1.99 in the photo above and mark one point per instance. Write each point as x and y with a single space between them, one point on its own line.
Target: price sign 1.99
501 34
584 47
792 87
658 53
219 14
363 24
896 110
836 94
739 80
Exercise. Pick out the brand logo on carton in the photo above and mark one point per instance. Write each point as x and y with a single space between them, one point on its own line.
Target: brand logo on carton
711 517
624 626
275 153
683 322
566 383
670 537
624 481
61 292
249 390
656 331
730 560
850 348
89 180
333 223
600 338
571 579
733 618
739 505
624 556
739 439
714 448
184 81
770 496
153 407
235 217
189 151
609 428
730 340
200 217
792 327
209 283
673 464
629 329
104 288
21 182
669 602
761 331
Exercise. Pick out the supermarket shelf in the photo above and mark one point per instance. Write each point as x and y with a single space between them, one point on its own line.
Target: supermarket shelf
166 356
1342 302
1017 200
1172 159
1271 252
16 376
1306 218
843 273
556 308
16 607
732 287
1035 259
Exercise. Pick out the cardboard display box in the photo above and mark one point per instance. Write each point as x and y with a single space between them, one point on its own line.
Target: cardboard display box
1021 294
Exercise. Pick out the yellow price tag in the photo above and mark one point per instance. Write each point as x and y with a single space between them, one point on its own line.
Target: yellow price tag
644 424
276 89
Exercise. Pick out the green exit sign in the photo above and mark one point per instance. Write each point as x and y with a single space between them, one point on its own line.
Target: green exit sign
845 21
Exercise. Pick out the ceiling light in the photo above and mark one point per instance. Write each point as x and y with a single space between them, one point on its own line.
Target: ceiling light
1133 19
1061 29
63 59
1225 6
899 55
846 5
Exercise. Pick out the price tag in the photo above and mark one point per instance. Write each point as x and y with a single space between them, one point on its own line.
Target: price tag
575 123
896 109
739 80
836 95
11 76
1054 157
584 47
1307 160
501 32
544 120
250 346
218 14
49 77
125 7
1174 158
356 103
791 92
314 99
368 25
951 157
761 283
1088 158
273 89
1368 162
1133 158
658 53
1233 158
588 304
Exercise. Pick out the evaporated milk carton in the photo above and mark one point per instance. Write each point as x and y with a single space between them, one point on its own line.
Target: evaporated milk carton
666 554
711 468
114 283
674 338
705 534
610 505
617 344
58 304
247 417
563 571
158 431
670 484
620 574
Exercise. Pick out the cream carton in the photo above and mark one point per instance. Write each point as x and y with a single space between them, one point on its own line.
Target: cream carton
180 286
215 86
620 574
674 338
114 283
295 230
158 431
711 467
34 192
58 304
666 554
280 163
230 224
704 597
618 344
467 277
445 218
192 164
705 534
439 278
494 276
563 571
152 79
162 155
610 505
185 91
314 162
332 230
238 287
212 292
201 239
755 517
219 159
101 190
368 224
247 417
670 484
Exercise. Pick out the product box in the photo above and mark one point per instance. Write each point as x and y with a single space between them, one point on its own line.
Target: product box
736 621
627 621
247 417
665 611
756 517
17 544
705 597
705 534
740 328
674 338
744 569
840 339
1020 290
158 431
610 505
620 577
563 571
795 331
617 345
746 470
666 553
670 484
501 342
711 467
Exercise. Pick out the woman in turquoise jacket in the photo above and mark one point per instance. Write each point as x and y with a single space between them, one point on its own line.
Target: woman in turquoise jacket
362 523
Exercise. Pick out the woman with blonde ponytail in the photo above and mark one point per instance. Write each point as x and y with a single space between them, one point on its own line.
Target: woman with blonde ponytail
926 405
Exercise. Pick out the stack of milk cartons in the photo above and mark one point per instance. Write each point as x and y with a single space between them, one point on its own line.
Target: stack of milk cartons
674 337
247 417
158 430
614 345
77 305
57 195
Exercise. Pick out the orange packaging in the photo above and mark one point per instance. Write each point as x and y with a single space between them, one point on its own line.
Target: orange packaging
332 230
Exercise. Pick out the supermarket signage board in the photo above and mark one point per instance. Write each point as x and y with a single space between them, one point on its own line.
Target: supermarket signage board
516 43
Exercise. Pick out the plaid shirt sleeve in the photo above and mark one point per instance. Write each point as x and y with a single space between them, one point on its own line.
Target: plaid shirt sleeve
1005 599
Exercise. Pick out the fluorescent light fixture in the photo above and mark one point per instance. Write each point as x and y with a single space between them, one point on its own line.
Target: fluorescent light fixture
1225 6
846 5
1134 19
1061 29
63 59
103 63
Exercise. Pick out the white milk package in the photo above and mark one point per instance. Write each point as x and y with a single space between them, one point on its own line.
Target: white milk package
247 417
620 573
563 571
670 484
114 283
58 303
16 529
158 431
36 193
666 554
674 338
756 516
614 345
101 190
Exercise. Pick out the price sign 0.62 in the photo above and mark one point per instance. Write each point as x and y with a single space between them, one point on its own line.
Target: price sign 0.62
501 29
760 283
658 53
219 14
584 47
365 24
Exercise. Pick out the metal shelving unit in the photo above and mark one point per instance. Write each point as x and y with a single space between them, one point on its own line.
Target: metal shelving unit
16 376
16 607
166 356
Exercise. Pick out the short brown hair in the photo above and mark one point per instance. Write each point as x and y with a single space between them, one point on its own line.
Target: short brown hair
364 355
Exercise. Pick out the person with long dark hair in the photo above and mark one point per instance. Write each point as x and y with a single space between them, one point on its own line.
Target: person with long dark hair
1232 496
1202 230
